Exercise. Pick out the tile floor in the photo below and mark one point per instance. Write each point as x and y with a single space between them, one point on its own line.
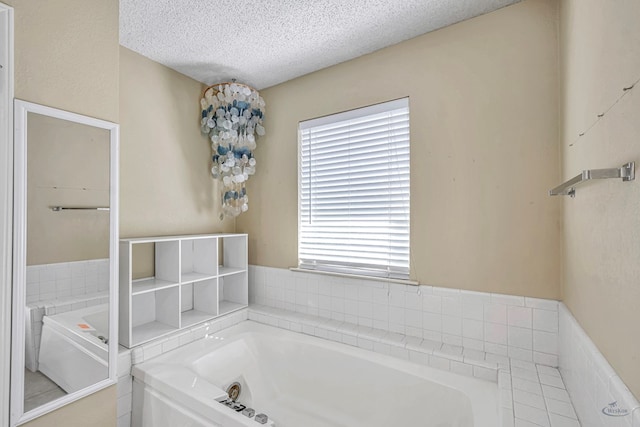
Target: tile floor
38 390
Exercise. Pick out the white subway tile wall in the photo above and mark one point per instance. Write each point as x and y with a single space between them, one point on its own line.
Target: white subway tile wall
599 396
32 335
67 279
502 325
124 388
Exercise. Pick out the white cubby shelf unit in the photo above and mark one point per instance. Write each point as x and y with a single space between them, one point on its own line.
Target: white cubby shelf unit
197 278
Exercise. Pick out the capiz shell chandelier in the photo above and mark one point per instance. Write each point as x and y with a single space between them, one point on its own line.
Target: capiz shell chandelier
232 115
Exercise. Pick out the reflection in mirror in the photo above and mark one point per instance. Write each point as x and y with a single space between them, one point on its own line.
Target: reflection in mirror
67 258
67 245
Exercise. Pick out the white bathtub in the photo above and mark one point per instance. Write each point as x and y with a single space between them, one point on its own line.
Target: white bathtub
71 356
303 381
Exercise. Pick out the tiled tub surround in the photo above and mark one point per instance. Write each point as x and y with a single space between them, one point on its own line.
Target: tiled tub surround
295 378
525 388
58 288
511 338
530 394
124 387
67 279
128 358
591 381
532 391
36 310
501 325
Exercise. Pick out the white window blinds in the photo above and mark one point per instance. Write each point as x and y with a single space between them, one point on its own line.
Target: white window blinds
354 191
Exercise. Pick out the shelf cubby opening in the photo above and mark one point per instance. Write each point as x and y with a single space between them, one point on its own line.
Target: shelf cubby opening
232 293
154 265
154 314
233 258
198 302
198 259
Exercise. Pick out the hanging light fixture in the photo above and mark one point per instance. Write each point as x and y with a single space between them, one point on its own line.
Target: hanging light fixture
232 115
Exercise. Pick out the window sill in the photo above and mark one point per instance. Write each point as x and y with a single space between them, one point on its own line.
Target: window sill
355 276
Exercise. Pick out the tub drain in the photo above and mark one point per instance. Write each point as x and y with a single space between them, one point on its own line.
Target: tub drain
234 391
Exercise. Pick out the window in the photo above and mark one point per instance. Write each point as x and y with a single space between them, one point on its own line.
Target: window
354 191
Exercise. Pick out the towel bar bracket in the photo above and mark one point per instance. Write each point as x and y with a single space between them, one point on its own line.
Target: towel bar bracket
629 171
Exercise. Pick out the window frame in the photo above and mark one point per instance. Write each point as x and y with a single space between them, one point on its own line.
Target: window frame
383 273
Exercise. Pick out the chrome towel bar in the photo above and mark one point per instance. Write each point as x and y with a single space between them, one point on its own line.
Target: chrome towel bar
626 172
79 208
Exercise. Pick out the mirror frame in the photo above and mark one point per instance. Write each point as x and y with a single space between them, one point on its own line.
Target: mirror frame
21 110
6 203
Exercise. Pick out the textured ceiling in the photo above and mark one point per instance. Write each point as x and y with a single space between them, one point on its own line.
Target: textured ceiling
263 43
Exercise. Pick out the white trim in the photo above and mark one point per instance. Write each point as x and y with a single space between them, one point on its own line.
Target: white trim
114 248
19 274
179 237
6 205
19 259
355 113
355 276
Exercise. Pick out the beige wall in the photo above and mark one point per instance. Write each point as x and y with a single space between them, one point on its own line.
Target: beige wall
166 186
484 129
66 56
97 410
600 48
67 165
165 183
